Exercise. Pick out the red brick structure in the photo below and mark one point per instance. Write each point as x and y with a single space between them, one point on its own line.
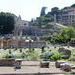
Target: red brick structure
20 43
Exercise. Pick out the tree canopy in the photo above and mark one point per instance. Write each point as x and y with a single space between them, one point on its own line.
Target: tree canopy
64 36
73 5
6 23
43 11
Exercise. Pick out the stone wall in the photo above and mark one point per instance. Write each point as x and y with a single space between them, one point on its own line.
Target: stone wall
34 44
21 43
7 62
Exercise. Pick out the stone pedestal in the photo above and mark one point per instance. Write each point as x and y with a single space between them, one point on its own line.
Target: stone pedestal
44 64
66 68
17 64
58 63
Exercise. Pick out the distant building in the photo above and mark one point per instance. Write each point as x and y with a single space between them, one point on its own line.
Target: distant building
19 25
65 16
68 16
24 28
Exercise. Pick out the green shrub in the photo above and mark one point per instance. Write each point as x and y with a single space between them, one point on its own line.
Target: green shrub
56 56
20 50
33 56
18 55
72 58
43 49
24 55
7 56
46 55
10 52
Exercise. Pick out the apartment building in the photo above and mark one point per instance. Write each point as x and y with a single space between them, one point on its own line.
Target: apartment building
65 16
68 16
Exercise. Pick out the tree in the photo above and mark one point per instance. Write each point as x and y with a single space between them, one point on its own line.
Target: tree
43 11
55 9
65 36
6 23
43 21
73 5
56 56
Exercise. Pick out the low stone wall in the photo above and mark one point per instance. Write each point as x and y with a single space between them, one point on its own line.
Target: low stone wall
39 74
57 63
7 62
21 44
34 44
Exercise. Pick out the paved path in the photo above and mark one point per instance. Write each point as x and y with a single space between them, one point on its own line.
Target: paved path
30 67
29 70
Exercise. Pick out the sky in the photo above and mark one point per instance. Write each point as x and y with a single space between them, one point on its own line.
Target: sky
29 9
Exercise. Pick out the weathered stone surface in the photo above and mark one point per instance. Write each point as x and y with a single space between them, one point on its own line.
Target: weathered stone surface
65 52
58 63
17 65
66 68
7 62
44 64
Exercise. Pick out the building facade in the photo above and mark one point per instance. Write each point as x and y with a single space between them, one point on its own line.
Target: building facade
65 16
24 28
19 25
68 16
